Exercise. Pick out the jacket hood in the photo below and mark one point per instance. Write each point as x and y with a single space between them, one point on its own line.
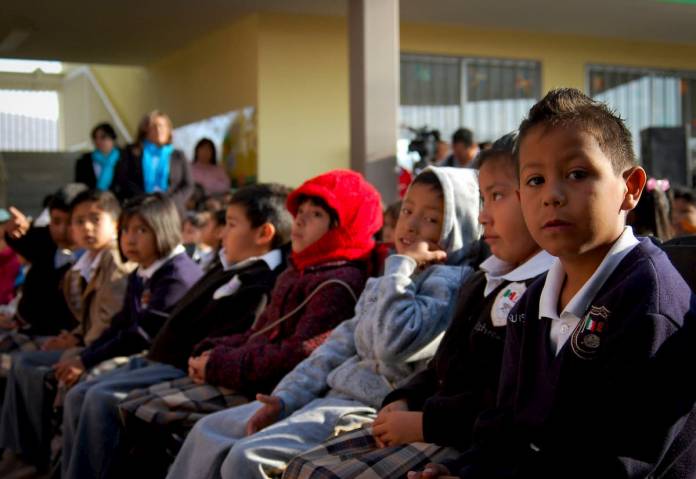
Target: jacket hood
358 206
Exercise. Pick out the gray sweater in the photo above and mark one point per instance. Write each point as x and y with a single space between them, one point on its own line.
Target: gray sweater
400 316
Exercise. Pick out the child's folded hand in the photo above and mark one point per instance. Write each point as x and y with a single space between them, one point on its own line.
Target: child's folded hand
267 415
398 427
196 367
431 471
64 340
398 405
68 371
424 253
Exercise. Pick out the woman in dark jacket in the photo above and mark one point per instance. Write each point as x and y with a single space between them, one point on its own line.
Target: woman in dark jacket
152 164
97 168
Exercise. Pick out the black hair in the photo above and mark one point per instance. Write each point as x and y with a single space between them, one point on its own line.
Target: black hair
429 178
265 203
501 149
569 107
393 210
105 128
61 199
685 194
650 217
463 135
203 142
160 214
105 200
319 202
197 220
219 216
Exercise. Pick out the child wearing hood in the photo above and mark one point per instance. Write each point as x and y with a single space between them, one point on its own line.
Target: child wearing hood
398 323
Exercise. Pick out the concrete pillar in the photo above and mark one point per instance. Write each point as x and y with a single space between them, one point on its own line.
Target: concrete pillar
374 91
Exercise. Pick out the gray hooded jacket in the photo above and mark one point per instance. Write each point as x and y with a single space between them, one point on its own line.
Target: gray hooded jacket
400 316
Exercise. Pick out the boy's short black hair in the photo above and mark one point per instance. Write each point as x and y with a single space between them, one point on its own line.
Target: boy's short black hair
61 199
219 216
429 178
317 201
393 210
105 128
685 194
159 212
463 135
569 107
106 201
265 203
501 149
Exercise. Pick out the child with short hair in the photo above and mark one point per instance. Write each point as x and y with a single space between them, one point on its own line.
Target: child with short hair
9 263
398 322
650 217
225 300
426 419
336 216
684 211
592 383
94 290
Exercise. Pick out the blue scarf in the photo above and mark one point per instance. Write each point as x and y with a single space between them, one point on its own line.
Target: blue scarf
106 167
156 166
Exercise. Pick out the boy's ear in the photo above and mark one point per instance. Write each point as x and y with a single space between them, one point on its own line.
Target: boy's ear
635 179
265 234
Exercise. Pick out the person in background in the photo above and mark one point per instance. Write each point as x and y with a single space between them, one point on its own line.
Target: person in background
9 263
205 170
391 214
464 149
684 211
651 216
96 169
153 164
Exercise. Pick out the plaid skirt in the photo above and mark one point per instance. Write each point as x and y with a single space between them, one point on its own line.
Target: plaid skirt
178 404
355 455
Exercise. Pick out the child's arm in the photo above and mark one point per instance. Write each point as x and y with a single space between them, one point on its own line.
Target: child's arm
261 361
410 319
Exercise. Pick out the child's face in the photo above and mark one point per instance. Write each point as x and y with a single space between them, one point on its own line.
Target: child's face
138 242
239 238
211 233
311 223
388 229
92 228
683 217
420 220
572 200
504 229
58 228
190 234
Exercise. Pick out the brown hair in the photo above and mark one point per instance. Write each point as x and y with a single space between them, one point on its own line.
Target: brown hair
569 107
147 120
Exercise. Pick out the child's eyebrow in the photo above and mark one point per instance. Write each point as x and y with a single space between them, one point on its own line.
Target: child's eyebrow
496 184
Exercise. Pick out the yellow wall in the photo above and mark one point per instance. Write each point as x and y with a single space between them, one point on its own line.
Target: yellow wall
563 57
303 97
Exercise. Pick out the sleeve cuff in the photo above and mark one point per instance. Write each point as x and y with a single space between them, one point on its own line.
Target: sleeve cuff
400 264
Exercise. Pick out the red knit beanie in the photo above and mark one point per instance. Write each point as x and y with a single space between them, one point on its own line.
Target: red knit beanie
358 206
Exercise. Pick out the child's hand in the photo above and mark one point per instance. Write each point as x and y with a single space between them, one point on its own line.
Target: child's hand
196 367
424 253
398 427
267 415
64 340
18 224
398 405
68 371
431 471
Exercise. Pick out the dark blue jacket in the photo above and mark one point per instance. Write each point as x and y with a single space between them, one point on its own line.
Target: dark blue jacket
618 404
133 328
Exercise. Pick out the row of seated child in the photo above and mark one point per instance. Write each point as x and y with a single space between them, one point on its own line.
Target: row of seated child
440 366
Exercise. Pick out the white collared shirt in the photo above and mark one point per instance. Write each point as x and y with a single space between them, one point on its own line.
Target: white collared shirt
563 325
87 264
152 269
273 259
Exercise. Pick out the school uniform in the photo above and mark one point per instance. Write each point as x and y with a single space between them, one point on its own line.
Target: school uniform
225 300
597 390
460 381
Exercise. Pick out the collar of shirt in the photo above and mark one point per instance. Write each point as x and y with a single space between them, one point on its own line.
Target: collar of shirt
576 307
152 269
498 271
87 264
273 259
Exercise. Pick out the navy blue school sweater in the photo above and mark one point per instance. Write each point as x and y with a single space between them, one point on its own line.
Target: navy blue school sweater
618 399
146 307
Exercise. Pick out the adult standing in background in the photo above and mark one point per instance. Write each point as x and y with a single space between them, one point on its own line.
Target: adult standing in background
96 169
152 164
205 170
464 150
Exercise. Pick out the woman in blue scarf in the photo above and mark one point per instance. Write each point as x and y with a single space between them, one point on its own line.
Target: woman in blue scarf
153 164
97 169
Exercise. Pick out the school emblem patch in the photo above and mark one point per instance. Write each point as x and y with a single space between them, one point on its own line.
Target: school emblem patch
504 302
587 337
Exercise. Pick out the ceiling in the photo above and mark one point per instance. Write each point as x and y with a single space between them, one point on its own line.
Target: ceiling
142 31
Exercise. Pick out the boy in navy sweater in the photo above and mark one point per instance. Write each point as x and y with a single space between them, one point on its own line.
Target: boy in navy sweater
592 383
